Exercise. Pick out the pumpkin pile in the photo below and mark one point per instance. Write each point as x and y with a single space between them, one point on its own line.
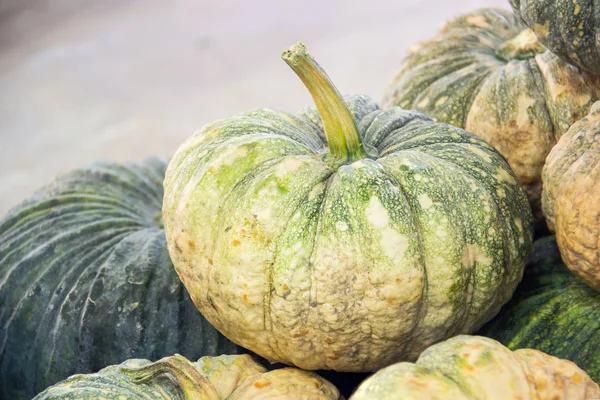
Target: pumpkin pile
347 237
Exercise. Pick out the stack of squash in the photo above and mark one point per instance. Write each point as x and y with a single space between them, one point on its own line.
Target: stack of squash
346 237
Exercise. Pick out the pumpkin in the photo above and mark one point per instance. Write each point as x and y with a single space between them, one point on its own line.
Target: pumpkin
569 28
475 367
487 73
552 311
344 237
86 280
571 197
231 377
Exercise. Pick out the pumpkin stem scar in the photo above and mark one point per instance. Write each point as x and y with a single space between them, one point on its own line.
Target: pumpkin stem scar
522 47
343 139
194 385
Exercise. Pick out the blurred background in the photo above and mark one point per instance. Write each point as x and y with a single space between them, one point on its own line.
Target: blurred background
84 80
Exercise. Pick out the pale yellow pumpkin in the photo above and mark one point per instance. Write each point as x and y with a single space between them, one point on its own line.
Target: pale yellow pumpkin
475 367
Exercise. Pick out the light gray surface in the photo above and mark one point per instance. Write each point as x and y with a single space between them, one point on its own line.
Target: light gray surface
116 79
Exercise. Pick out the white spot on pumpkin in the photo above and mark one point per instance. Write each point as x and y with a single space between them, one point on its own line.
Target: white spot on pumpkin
501 193
472 254
394 244
341 226
423 103
491 231
425 201
377 214
523 105
287 166
441 101
358 164
268 190
262 214
228 157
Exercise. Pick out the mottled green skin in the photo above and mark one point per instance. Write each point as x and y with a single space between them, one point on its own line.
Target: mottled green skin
351 269
552 311
521 106
86 280
475 367
111 383
569 28
226 377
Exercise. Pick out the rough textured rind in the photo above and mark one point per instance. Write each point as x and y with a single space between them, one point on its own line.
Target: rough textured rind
571 197
351 269
86 280
552 311
229 377
521 106
569 28
474 367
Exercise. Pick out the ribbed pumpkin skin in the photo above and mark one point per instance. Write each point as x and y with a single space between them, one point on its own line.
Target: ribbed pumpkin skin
351 269
225 377
552 311
571 197
569 28
86 280
521 106
110 383
474 367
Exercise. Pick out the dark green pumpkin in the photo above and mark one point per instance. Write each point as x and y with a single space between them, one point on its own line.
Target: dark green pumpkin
552 311
86 280
569 28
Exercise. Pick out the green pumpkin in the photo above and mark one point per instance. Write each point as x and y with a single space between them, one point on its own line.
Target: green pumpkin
475 367
552 311
210 378
571 197
344 237
86 280
487 73
569 28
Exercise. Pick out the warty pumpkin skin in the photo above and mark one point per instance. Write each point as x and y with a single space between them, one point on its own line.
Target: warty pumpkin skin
475 367
552 311
231 377
571 197
569 28
322 263
487 73
86 280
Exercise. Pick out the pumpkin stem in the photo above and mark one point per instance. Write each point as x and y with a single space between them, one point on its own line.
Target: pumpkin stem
522 47
192 382
345 145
